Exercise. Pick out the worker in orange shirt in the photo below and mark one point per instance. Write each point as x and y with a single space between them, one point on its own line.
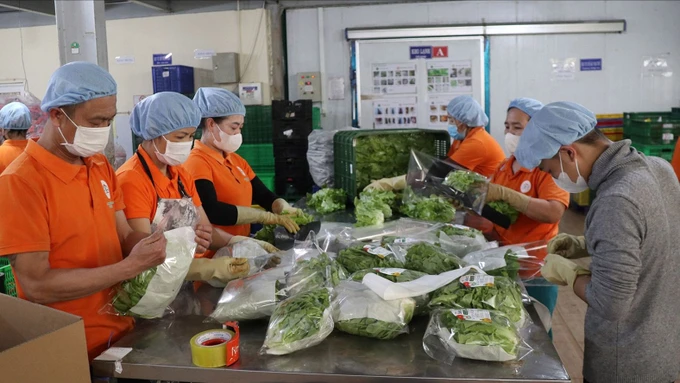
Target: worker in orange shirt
226 183
15 119
155 185
67 239
675 162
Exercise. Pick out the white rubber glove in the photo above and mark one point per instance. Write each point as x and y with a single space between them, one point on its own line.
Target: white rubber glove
388 184
568 246
561 271
251 215
268 247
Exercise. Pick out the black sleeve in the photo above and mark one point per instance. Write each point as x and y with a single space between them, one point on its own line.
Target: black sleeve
219 213
262 195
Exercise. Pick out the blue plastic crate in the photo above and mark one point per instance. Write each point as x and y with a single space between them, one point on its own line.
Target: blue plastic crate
173 78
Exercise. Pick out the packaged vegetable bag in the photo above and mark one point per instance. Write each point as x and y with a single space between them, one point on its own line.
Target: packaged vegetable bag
429 258
149 294
359 311
473 334
461 240
301 321
523 260
257 257
313 272
362 256
397 275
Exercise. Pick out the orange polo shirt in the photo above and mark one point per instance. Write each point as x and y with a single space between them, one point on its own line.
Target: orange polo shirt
9 151
675 162
231 176
478 152
49 205
535 184
139 193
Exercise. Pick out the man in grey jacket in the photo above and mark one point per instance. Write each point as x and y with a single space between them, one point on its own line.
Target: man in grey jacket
632 328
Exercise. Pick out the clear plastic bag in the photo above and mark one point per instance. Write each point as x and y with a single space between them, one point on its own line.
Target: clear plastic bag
362 256
320 156
426 257
473 334
398 275
523 260
176 213
38 117
480 291
312 273
359 311
258 258
402 227
427 207
299 322
253 297
461 240
149 294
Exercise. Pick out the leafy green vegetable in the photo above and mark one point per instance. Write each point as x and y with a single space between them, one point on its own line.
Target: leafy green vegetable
314 273
430 259
389 198
455 230
132 291
327 200
360 257
511 268
505 209
433 208
267 232
480 291
496 332
370 328
301 321
369 213
464 180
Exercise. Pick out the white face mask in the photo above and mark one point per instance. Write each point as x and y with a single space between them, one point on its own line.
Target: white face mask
175 152
87 141
566 184
511 142
229 143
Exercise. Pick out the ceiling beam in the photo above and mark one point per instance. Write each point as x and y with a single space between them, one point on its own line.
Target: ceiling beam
160 5
34 6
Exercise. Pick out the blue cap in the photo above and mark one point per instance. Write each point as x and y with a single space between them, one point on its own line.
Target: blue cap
163 113
468 111
15 116
218 102
75 83
526 105
556 124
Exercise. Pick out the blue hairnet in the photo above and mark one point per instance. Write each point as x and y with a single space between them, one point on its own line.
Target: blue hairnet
526 105
15 116
163 113
467 110
556 124
77 82
218 102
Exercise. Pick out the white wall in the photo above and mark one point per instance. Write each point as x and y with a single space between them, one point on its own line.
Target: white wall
520 65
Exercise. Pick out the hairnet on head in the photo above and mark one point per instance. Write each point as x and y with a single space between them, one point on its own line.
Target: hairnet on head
77 82
15 116
163 113
468 111
218 102
526 105
556 124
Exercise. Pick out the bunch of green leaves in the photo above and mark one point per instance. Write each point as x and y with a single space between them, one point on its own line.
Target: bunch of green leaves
430 259
460 231
511 269
369 213
432 208
389 198
327 200
297 318
505 209
131 291
464 181
504 296
498 332
370 328
267 232
387 155
314 273
356 258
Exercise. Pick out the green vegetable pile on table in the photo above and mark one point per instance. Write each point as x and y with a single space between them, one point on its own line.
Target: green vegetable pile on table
327 200
433 208
301 321
132 290
511 269
355 258
505 209
430 259
502 294
267 232
463 180
313 273
452 230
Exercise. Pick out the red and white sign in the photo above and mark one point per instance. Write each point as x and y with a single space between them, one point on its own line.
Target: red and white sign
438 52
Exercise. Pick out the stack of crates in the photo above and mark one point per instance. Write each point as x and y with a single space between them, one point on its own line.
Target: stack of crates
652 133
292 122
611 125
257 147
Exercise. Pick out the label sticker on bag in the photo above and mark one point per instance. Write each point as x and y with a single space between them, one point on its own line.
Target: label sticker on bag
390 271
473 315
667 137
381 252
405 240
477 280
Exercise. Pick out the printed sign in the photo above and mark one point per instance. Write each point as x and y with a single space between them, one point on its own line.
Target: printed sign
591 64
162 59
421 52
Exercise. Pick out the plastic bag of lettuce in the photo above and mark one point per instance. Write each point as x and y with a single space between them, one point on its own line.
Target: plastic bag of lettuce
398 275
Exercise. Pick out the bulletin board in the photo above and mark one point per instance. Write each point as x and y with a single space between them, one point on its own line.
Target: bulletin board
407 83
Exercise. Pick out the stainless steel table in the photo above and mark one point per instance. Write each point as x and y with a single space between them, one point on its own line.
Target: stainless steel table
161 352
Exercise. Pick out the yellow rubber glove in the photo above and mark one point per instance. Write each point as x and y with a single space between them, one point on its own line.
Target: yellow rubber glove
516 199
281 206
250 215
268 247
388 184
561 271
223 269
568 246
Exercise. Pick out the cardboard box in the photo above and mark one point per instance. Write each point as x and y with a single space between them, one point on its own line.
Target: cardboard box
41 344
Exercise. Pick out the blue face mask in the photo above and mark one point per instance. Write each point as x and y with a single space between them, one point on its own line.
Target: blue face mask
453 132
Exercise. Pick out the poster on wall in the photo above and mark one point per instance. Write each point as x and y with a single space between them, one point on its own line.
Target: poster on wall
449 77
437 115
394 78
395 113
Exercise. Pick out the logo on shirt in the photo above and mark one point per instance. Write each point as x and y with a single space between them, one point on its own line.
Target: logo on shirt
107 191
526 186
245 177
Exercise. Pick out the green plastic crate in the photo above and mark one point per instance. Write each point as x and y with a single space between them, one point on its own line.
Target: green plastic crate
260 157
663 151
267 179
652 130
345 155
257 126
316 118
10 284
